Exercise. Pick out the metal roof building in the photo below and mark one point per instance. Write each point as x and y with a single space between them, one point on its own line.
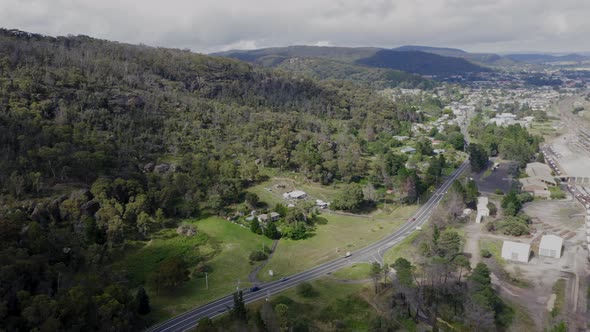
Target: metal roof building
514 251
550 246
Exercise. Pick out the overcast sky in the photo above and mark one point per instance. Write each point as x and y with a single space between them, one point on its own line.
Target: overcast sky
215 25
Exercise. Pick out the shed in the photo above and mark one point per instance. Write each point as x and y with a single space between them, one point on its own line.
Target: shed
408 149
321 204
274 216
263 218
536 187
550 246
515 251
482 209
297 194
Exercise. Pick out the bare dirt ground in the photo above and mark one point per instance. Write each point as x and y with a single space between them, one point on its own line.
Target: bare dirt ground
562 218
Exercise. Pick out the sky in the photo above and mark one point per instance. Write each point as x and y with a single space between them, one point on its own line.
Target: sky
206 26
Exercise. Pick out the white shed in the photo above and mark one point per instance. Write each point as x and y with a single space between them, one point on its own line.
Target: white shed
297 194
515 251
550 246
482 208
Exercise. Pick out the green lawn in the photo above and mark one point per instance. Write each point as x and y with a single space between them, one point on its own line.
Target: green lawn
358 271
407 248
227 243
333 240
495 247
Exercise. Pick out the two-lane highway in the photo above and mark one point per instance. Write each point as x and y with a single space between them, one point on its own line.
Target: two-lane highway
189 319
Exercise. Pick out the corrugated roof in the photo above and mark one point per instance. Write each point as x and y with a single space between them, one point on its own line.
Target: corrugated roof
551 242
521 249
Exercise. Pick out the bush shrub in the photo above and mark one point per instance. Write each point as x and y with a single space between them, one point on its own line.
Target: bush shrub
306 290
257 256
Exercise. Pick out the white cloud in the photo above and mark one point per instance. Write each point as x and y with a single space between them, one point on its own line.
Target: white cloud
212 25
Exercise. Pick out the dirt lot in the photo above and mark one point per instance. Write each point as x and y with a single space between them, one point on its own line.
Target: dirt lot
530 286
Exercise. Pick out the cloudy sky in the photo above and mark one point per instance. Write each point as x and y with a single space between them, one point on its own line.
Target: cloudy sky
214 25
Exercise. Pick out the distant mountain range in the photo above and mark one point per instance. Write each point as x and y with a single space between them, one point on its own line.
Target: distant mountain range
330 63
421 62
547 58
489 59
389 67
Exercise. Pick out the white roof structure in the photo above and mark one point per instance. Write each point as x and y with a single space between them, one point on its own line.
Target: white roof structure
408 149
515 251
482 209
297 194
550 246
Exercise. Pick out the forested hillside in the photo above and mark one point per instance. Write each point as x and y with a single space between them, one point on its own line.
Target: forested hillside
331 63
488 59
421 63
103 143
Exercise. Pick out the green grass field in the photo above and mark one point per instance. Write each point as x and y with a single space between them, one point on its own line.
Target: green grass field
333 240
227 243
268 193
494 246
407 249
358 271
345 303
166 243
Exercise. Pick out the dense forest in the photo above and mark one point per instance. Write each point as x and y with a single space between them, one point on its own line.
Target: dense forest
331 63
104 142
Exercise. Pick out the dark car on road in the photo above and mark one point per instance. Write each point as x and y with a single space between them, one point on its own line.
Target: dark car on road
254 289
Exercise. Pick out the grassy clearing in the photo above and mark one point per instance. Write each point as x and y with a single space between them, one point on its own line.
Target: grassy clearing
272 195
559 291
521 320
331 241
407 249
544 129
359 271
164 244
334 302
227 247
556 193
494 246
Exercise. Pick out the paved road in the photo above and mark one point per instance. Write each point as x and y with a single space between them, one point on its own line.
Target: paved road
190 318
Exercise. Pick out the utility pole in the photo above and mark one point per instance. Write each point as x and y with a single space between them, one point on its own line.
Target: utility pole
206 281
238 285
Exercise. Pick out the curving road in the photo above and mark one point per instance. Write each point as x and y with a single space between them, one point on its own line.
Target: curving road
190 318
